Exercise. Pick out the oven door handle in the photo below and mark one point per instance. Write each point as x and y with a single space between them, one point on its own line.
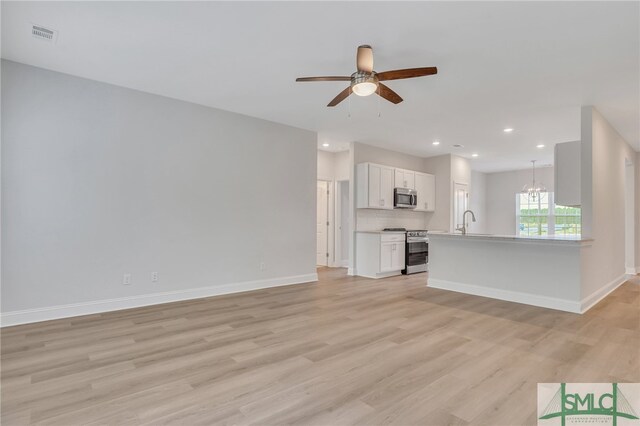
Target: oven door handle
417 240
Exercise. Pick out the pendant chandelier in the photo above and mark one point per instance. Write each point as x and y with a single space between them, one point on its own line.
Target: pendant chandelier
534 189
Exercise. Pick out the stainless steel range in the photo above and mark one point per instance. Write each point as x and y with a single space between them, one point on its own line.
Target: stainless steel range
416 252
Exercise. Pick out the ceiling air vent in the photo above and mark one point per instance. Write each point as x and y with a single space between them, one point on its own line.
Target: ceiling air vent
42 33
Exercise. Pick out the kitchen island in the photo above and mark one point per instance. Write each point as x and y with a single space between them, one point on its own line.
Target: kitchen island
541 271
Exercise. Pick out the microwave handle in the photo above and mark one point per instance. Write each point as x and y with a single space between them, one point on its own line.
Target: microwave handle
414 200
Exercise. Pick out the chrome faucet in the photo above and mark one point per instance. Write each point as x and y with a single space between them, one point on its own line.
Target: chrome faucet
463 228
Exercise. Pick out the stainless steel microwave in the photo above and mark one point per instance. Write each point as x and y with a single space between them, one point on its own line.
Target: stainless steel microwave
405 198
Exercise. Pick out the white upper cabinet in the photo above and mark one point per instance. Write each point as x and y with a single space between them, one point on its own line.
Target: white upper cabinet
375 183
405 179
374 186
425 186
386 187
567 173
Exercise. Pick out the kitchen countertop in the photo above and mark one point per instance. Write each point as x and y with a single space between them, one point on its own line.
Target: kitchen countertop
381 232
563 239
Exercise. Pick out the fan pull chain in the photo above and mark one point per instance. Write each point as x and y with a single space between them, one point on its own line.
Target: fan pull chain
349 112
379 113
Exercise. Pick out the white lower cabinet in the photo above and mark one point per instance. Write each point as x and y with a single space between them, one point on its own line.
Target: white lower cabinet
391 256
379 255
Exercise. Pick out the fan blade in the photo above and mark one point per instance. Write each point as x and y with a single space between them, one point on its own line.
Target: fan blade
406 73
388 94
341 97
331 78
364 60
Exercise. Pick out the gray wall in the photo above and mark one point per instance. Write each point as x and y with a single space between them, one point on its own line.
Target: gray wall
326 166
478 202
373 154
441 167
99 180
604 153
501 190
333 165
637 212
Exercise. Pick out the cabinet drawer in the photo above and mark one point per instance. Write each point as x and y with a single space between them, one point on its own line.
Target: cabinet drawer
391 237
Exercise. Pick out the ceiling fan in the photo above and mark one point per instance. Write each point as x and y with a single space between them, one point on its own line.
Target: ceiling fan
366 81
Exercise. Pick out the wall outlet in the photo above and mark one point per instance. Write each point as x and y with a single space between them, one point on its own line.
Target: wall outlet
263 266
154 277
126 279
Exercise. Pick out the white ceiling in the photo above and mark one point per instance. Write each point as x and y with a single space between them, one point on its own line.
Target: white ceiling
526 65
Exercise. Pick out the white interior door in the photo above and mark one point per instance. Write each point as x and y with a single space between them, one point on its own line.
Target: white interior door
460 203
322 220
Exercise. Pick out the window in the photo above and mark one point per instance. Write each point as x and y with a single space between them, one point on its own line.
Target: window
533 215
568 220
542 217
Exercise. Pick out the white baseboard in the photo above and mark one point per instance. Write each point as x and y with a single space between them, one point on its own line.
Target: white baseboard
590 301
380 275
94 307
510 296
632 270
351 271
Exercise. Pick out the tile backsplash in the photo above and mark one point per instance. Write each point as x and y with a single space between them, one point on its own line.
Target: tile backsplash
376 220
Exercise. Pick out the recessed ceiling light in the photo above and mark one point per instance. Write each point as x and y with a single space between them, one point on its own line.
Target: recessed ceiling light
474 155
539 146
325 144
458 146
508 130
436 142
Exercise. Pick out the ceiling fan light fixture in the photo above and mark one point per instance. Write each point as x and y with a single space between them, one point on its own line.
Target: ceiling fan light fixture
365 89
364 84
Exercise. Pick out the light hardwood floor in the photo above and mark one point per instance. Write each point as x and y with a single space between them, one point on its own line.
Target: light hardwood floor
341 351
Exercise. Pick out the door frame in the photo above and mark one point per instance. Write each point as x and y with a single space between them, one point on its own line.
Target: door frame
338 260
453 203
630 191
